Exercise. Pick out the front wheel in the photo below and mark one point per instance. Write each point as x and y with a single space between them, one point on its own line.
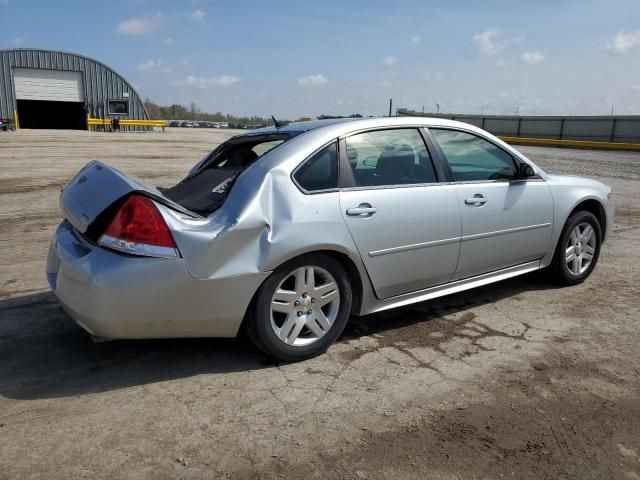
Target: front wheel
301 309
578 249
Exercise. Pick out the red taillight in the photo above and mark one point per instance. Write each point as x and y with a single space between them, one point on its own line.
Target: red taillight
138 228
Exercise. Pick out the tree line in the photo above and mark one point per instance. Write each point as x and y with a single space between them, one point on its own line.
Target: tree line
194 113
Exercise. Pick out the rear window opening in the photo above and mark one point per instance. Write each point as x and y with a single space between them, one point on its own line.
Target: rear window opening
205 189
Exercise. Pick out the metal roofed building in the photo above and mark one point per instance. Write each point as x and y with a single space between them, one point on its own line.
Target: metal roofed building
52 89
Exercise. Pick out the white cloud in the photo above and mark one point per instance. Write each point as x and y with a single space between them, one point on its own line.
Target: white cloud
18 40
636 87
312 81
206 82
532 58
432 77
624 42
159 66
140 25
389 61
486 43
416 39
197 15
502 62
386 84
169 41
148 65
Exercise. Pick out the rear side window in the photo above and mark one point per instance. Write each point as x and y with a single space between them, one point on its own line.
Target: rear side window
389 157
320 172
472 158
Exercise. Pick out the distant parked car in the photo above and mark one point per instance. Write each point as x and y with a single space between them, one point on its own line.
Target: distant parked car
173 124
286 232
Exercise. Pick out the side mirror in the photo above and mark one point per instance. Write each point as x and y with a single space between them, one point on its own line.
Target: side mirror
524 171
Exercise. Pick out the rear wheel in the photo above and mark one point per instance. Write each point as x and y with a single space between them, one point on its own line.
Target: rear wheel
578 249
301 309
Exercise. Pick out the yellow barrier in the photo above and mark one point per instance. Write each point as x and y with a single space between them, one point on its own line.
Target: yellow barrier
16 124
124 122
573 143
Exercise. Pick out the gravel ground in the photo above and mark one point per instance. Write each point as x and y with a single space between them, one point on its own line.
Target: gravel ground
519 379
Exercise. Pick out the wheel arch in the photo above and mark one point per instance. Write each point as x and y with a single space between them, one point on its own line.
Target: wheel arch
594 206
355 277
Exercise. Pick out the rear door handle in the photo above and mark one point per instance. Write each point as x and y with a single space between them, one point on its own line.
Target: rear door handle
477 199
362 210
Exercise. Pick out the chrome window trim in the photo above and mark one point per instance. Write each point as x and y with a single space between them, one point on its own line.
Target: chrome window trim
389 187
388 127
537 178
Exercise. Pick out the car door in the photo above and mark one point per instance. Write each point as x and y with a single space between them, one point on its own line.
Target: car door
506 221
405 222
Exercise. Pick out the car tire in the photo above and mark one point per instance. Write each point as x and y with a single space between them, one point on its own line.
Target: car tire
569 265
278 323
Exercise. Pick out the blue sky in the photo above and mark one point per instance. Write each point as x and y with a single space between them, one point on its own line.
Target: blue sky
303 58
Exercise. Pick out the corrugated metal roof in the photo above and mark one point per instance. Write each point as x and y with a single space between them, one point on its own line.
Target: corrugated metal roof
100 82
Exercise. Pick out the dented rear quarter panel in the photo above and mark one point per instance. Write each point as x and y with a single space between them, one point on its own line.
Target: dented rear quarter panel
265 221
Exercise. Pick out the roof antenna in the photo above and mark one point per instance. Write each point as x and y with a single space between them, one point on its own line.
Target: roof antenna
275 122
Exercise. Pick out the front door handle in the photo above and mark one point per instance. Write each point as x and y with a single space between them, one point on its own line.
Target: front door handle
478 199
362 210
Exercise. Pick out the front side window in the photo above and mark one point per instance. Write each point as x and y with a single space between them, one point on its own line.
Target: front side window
472 158
389 157
320 172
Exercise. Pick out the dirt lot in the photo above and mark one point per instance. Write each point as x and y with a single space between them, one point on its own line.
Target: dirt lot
519 379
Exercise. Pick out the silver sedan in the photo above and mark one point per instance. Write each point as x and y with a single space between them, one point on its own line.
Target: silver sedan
285 232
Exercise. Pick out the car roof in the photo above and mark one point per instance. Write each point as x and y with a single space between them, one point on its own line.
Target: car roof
347 124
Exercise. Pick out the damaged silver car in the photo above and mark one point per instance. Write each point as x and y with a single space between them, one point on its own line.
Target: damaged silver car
285 232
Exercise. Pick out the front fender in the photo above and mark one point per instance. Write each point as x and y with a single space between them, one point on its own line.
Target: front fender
568 193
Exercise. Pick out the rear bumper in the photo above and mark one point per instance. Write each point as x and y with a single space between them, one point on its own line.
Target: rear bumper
118 296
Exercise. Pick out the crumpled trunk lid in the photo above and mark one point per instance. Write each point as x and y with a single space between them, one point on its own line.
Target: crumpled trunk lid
96 187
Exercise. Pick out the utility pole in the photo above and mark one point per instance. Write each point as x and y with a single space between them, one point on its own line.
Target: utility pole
390 105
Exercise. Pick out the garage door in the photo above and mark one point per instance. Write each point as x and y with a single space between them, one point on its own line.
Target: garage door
52 85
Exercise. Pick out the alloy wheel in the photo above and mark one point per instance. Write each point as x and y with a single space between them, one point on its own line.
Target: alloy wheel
580 248
304 306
